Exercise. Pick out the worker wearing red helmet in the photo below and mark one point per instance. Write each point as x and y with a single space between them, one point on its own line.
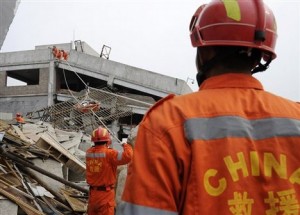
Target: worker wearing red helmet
101 167
231 147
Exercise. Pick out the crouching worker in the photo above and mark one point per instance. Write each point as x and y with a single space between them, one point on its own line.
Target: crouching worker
101 168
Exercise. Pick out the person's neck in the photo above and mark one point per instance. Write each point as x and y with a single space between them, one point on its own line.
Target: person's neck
97 145
216 71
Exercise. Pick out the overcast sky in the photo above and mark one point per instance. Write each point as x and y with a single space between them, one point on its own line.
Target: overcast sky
149 34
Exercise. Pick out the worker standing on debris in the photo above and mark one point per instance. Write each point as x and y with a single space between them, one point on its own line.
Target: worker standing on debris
19 118
101 168
231 147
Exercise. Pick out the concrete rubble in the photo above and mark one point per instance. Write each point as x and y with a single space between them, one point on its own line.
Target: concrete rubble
42 169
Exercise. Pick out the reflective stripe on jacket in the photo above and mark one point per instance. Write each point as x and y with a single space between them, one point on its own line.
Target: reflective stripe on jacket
102 162
231 148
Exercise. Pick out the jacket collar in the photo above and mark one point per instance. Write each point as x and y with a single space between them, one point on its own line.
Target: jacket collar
231 80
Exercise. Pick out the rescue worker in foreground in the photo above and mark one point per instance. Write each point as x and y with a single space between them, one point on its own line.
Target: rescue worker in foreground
231 147
101 167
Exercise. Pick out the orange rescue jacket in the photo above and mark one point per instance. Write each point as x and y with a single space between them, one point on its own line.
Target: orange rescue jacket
102 162
20 119
230 148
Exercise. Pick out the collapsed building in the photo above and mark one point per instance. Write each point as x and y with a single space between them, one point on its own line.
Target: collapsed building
63 100
49 81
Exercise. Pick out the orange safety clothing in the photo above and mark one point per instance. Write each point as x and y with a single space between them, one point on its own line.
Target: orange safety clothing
101 173
60 53
65 55
230 148
20 119
55 51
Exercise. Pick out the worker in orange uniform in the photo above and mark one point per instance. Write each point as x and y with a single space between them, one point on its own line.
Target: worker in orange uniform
101 167
55 51
64 55
19 118
60 54
231 147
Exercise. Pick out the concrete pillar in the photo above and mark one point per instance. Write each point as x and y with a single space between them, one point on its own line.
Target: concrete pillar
51 83
3 79
115 124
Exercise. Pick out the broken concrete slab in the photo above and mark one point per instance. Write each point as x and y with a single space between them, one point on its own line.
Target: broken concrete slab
59 153
8 207
53 167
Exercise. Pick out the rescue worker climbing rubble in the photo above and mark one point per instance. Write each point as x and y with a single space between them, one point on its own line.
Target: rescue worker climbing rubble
19 118
101 167
231 147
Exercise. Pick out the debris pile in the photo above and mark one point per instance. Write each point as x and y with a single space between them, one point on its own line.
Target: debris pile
42 169
42 161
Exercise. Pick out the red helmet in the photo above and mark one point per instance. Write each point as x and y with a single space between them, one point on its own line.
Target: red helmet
101 135
247 23
18 114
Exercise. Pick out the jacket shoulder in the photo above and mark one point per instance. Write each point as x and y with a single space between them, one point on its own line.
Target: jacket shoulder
111 149
159 103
